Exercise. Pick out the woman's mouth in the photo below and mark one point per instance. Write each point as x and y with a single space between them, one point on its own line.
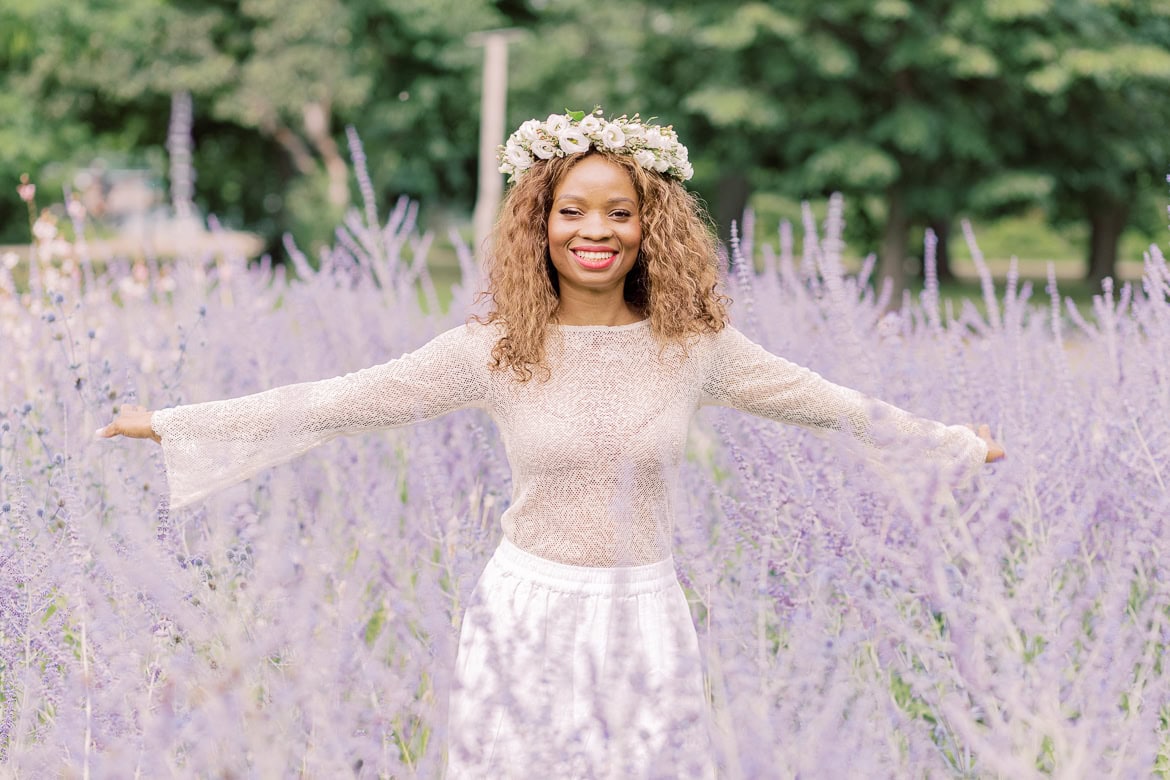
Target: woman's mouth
595 260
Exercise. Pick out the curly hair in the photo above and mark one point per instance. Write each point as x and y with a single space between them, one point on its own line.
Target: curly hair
674 281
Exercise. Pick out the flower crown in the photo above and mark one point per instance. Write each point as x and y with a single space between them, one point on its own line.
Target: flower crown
654 147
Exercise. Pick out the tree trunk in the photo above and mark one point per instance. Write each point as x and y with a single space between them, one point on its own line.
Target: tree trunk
942 231
731 199
300 154
895 242
317 120
1107 220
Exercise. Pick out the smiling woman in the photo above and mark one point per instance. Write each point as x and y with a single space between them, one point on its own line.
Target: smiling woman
670 278
577 653
594 239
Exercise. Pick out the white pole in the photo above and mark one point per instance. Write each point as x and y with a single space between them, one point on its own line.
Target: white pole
491 130
179 148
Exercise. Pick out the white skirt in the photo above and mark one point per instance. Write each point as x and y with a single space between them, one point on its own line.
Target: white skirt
575 671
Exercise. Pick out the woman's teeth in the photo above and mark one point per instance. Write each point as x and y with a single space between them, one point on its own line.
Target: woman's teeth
593 256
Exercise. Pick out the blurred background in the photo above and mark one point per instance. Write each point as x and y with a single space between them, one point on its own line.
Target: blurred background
1044 122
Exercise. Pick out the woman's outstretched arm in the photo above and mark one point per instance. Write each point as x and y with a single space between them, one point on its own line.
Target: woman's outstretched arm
743 375
208 446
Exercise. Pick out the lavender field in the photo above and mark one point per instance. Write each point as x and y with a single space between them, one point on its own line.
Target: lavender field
855 620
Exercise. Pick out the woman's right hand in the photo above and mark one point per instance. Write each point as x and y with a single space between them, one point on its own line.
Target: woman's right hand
132 422
995 450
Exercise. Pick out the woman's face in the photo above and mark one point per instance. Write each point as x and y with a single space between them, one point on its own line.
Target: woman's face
594 228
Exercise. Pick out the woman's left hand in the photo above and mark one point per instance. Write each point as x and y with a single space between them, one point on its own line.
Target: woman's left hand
994 449
132 422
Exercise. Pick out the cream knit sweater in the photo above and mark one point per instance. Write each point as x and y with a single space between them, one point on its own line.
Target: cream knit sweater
594 450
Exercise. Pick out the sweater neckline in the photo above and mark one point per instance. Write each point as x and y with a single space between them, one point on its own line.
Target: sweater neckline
608 328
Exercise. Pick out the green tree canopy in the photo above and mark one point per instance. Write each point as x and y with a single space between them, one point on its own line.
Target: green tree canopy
1088 94
274 84
916 111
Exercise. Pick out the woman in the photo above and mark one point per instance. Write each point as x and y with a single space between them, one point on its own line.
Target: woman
577 653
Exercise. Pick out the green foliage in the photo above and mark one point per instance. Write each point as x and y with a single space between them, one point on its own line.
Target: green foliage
852 165
1097 72
908 702
734 107
309 215
374 625
1009 191
274 84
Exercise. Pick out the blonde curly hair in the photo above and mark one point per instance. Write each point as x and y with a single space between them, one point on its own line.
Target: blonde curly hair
674 281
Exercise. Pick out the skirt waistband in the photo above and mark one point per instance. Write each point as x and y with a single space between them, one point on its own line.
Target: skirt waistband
627 580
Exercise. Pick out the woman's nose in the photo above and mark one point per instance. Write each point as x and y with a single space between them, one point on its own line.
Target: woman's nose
596 226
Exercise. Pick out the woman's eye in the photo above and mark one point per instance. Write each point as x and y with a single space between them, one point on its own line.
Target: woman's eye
570 212
620 214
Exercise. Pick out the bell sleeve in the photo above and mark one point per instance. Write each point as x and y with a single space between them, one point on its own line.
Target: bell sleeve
209 446
745 376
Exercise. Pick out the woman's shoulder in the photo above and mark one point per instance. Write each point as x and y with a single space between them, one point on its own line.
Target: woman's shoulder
713 349
717 338
472 333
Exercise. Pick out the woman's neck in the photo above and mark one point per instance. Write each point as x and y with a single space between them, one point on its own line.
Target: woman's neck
599 312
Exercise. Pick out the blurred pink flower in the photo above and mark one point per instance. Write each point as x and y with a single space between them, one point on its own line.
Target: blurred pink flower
26 189
75 208
45 228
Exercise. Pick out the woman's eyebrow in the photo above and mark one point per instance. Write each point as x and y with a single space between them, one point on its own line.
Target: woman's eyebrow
616 199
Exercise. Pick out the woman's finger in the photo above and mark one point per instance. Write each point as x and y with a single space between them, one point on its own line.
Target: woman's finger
119 425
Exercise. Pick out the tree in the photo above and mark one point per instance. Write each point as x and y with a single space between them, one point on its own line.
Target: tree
25 136
852 96
274 85
942 107
56 57
581 54
1094 77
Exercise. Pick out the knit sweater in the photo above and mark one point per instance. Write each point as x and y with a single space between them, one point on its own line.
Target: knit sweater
595 448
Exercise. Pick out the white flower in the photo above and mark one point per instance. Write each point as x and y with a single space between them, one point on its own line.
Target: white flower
590 125
44 229
544 149
655 139
520 159
556 124
653 147
612 136
645 158
529 131
130 288
573 141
